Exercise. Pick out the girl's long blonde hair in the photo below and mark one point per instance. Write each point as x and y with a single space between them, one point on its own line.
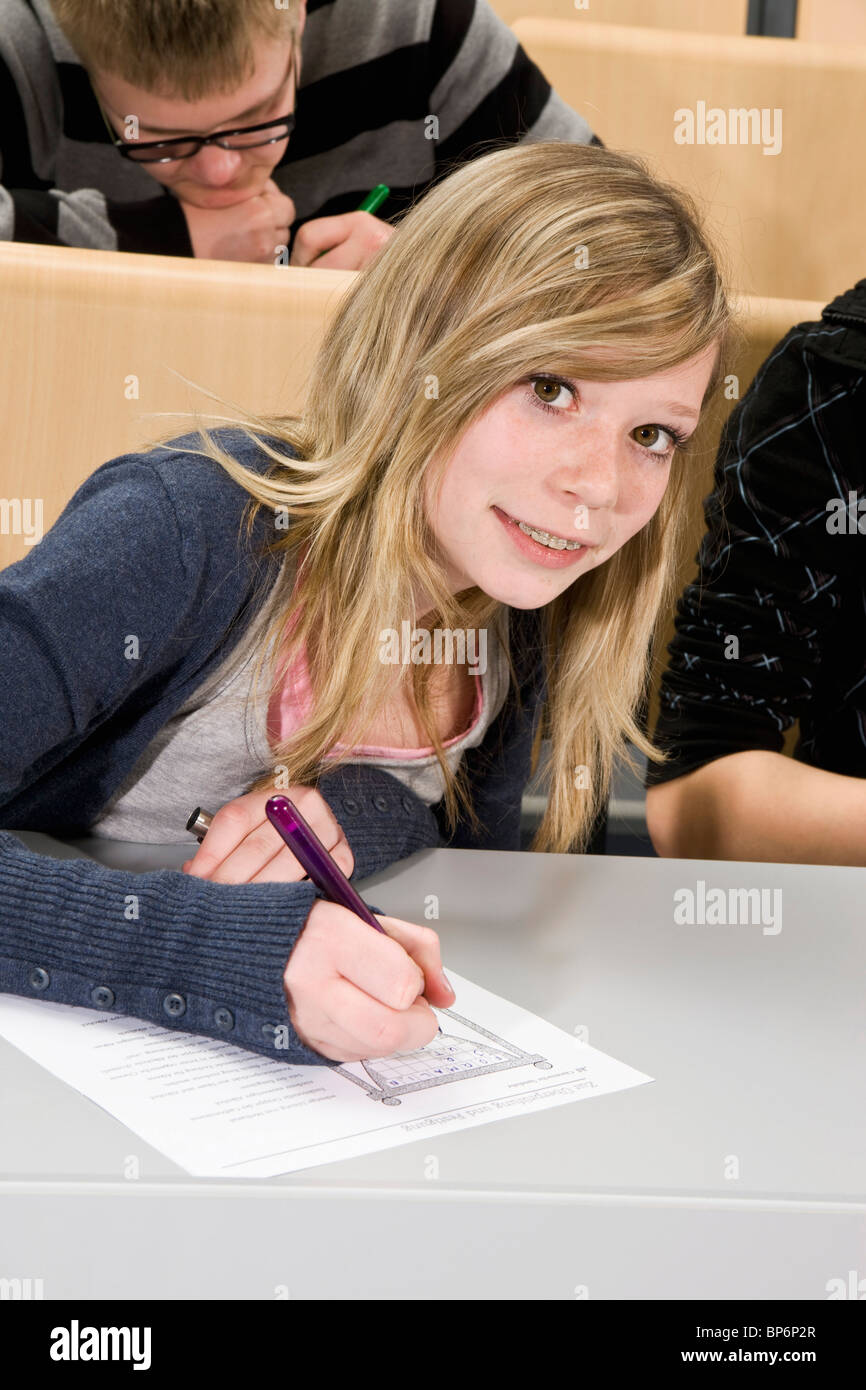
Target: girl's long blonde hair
546 257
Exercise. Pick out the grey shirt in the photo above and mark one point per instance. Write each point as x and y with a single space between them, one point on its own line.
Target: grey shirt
216 745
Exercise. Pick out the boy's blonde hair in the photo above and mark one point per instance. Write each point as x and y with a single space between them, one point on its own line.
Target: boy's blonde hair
481 286
188 48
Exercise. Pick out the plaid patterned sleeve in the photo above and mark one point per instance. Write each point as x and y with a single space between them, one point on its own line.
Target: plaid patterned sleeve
772 629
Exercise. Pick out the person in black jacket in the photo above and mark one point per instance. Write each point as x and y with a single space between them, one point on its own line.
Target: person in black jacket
773 630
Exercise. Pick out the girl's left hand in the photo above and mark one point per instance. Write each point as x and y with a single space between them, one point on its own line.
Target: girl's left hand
241 845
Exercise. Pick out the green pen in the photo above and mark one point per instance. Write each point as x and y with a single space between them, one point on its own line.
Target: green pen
375 198
373 201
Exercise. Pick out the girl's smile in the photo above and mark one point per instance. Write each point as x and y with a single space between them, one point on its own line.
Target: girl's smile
528 541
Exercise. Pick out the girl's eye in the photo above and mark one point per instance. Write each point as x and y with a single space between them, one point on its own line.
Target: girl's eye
651 435
666 434
551 395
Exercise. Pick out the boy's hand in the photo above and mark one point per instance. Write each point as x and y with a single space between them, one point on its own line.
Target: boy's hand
348 240
241 845
249 231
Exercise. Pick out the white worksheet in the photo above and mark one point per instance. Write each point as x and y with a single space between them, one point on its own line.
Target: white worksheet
220 1111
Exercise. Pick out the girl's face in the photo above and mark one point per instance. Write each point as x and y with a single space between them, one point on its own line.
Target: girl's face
580 462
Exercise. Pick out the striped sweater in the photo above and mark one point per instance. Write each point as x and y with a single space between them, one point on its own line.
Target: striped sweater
372 74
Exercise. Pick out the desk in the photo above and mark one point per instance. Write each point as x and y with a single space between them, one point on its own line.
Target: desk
756 1040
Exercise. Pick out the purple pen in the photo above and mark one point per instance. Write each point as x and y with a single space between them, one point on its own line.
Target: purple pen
308 849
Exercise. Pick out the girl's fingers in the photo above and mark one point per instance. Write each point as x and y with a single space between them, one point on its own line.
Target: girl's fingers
336 945
259 852
423 946
228 829
241 845
284 867
263 857
356 1027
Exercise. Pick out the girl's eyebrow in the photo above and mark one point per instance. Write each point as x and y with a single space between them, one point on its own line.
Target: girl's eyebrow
683 409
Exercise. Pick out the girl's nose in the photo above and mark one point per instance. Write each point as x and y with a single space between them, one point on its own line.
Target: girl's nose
592 480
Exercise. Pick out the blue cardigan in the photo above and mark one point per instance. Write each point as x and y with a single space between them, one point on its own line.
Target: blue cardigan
151 545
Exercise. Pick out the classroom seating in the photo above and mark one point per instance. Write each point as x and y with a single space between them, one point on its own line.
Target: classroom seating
89 341
705 16
92 342
830 21
790 221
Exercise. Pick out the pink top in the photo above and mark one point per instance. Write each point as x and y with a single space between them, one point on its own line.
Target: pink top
290 705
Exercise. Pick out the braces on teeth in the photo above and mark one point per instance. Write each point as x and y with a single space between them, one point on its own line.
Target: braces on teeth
553 542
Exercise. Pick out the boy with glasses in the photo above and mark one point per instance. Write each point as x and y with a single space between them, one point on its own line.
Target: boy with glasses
265 121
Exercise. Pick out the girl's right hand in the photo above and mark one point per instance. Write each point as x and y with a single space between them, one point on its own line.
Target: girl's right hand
355 994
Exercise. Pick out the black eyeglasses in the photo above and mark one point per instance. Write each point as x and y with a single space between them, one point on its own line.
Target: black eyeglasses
244 138
247 137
